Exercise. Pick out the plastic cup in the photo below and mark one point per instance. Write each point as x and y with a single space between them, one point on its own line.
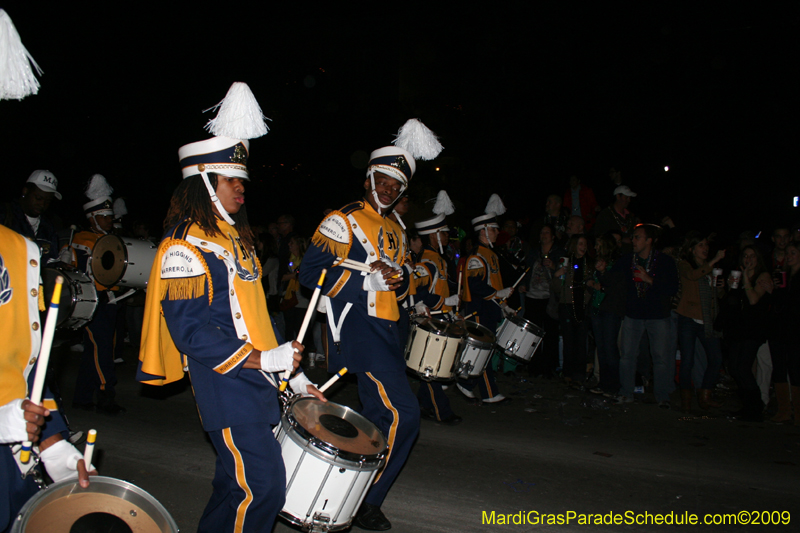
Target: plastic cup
736 277
715 274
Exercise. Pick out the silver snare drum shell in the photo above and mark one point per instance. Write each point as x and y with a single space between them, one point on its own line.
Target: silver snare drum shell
57 508
519 338
476 351
78 295
331 454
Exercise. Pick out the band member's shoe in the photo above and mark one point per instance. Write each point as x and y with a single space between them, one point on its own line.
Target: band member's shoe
428 414
371 518
497 399
466 392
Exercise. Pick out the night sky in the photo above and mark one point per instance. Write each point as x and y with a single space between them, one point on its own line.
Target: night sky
520 96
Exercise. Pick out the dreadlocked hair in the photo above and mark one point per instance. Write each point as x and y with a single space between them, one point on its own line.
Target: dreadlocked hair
191 200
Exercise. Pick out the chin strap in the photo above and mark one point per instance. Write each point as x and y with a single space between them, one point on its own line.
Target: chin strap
399 220
439 238
371 174
97 226
486 234
216 201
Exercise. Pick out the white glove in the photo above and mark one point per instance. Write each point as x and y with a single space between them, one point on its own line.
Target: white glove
61 461
13 426
507 311
299 383
278 359
452 301
420 308
502 294
374 282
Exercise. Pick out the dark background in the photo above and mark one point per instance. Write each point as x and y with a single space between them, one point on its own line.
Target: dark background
520 96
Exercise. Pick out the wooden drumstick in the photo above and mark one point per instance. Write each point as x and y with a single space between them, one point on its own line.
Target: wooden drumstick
312 308
334 379
89 449
514 286
458 290
44 359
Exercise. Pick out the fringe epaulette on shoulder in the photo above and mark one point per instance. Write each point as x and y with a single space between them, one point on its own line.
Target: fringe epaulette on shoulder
184 271
334 234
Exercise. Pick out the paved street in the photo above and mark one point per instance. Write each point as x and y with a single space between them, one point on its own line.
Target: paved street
552 450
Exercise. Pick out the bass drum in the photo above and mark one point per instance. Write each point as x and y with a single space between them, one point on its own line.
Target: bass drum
433 348
478 348
123 262
332 455
78 295
108 504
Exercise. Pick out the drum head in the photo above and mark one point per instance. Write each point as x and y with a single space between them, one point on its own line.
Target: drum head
109 259
440 327
338 426
63 507
479 333
527 324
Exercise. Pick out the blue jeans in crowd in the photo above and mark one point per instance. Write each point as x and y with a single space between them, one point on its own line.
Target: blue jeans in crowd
662 349
689 332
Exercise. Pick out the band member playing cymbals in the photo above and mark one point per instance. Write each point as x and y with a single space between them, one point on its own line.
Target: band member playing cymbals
363 308
205 300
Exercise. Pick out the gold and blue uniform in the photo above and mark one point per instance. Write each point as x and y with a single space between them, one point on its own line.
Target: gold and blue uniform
20 329
205 312
482 272
363 328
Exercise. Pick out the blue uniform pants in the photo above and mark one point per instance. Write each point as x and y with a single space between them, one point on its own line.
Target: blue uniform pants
249 482
431 396
387 402
96 372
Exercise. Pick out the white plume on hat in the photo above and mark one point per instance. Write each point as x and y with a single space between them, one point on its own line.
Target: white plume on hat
98 187
17 78
239 116
443 205
416 138
120 209
495 205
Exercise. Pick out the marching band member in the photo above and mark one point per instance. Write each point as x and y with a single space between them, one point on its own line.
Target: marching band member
363 309
20 419
484 292
26 216
206 313
96 374
433 289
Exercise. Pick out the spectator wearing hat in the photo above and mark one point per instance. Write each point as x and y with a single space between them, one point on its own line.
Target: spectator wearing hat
25 215
617 217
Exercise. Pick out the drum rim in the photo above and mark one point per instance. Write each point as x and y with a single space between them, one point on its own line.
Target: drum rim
432 329
524 323
21 520
329 452
67 271
472 340
297 522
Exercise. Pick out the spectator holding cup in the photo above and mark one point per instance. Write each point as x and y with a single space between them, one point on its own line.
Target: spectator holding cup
697 311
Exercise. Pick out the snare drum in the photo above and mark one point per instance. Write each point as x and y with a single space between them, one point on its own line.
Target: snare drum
519 338
433 348
332 455
478 348
78 295
123 262
108 504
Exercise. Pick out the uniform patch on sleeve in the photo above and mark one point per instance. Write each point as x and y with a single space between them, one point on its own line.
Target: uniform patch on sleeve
420 271
180 262
474 264
334 234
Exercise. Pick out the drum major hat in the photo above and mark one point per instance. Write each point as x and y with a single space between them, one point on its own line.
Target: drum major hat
441 209
99 193
238 119
494 209
413 141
